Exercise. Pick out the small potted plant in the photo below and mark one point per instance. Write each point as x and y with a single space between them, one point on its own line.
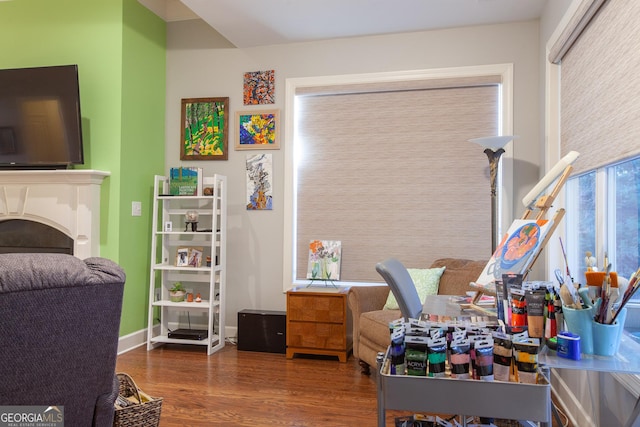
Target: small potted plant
177 292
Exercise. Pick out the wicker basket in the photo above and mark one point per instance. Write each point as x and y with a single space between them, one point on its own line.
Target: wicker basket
135 408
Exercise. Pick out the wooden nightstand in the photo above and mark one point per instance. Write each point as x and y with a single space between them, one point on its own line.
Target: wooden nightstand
319 322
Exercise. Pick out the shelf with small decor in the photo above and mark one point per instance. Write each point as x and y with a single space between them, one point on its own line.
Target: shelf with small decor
188 253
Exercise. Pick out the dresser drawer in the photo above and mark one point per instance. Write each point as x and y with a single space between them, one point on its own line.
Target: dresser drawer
316 308
328 336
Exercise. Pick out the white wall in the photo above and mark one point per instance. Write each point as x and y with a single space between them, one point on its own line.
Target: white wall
200 63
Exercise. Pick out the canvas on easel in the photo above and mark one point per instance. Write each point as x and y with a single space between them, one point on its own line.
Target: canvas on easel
516 251
538 203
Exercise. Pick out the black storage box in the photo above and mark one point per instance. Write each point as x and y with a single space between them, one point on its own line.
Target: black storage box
262 330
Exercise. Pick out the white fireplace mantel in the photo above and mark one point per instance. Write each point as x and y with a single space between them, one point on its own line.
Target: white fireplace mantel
67 200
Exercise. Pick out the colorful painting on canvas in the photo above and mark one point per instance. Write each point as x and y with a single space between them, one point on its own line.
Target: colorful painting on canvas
516 251
204 127
259 87
259 182
325 257
257 130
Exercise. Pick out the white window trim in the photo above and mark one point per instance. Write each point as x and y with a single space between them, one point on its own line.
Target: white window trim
292 84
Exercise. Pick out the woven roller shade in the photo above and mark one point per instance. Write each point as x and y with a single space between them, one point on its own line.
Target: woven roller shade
600 88
392 174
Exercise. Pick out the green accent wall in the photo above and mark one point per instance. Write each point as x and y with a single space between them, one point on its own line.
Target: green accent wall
120 49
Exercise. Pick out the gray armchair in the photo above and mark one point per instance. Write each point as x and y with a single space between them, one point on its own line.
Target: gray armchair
60 320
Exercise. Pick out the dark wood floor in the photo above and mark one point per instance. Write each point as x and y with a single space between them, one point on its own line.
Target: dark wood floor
240 388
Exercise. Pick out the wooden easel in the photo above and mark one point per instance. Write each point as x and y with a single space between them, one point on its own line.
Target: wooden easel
541 206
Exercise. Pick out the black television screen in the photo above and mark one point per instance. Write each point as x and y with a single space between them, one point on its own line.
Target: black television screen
40 121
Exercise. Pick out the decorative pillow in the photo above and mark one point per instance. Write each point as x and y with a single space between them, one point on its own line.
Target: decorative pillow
426 280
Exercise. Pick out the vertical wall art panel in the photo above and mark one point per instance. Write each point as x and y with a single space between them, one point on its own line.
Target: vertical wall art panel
259 182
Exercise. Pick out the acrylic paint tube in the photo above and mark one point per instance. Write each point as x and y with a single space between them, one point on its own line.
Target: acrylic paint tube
502 356
437 356
500 297
510 281
416 355
535 305
518 308
557 308
550 327
473 339
397 352
526 354
460 359
484 359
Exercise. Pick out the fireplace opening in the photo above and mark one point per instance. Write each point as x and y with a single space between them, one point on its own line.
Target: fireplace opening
23 236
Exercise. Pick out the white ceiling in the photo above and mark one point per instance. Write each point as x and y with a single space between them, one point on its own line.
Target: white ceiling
250 23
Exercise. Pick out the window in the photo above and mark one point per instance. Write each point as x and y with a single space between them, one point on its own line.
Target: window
614 228
382 163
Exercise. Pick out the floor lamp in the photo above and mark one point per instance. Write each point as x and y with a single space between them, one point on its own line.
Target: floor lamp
493 148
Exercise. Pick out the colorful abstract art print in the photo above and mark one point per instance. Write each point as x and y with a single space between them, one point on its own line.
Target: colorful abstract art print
259 87
260 182
204 129
325 257
257 130
516 251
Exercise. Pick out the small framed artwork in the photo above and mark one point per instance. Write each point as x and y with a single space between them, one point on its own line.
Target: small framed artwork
187 256
182 257
204 129
325 257
258 130
195 257
259 87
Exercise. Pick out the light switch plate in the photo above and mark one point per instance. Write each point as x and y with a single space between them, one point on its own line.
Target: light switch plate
136 208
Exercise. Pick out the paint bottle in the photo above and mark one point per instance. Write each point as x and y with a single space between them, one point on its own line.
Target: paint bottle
484 359
518 308
437 356
397 352
460 358
502 356
416 355
535 307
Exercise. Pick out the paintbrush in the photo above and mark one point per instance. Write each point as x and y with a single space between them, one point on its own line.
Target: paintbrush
634 285
566 263
632 281
605 295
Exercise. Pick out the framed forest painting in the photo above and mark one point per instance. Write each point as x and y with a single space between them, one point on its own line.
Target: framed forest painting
204 129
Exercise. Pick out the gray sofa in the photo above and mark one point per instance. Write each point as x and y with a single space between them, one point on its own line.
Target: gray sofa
60 320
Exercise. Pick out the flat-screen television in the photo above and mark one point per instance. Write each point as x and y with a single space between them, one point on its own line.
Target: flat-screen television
40 121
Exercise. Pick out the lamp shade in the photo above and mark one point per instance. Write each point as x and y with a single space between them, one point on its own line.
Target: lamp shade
493 142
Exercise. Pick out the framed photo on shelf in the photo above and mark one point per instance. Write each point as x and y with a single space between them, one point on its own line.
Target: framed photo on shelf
182 257
189 256
195 257
258 130
204 129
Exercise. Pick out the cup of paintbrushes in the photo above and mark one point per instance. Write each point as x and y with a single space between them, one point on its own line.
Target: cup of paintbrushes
606 337
580 322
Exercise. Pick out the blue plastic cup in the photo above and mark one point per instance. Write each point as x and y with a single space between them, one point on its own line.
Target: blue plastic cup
606 338
580 322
